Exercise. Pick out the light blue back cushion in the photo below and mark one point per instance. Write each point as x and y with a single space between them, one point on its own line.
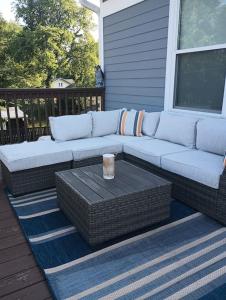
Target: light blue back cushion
177 129
150 123
211 135
105 122
70 127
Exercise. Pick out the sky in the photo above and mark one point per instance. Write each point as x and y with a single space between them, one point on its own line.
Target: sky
7 12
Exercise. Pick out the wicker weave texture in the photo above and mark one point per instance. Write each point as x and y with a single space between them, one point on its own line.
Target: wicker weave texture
31 180
106 219
207 200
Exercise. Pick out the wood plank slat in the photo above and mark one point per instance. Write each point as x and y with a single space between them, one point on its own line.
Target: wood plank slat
90 103
6 215
9 123
96 102
9 242
80 187
85 104
39 112
8 222
33 118
118 181
14 252
73 105
37 291
98 178
25 119
20 280
53 107
4 207
9 231
17 120
88 180
1 127
46 112
60 105
66 104
79 104
17 265
144 177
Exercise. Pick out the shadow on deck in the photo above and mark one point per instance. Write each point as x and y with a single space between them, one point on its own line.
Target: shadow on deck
20 277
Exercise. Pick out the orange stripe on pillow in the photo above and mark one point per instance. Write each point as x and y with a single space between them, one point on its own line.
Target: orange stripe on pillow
123 123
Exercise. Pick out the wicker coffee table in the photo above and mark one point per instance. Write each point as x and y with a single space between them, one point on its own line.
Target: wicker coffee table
104 209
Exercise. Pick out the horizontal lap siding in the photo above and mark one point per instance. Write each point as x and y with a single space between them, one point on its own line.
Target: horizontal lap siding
135 47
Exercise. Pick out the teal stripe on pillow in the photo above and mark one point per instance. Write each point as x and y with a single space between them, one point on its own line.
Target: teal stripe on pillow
135 124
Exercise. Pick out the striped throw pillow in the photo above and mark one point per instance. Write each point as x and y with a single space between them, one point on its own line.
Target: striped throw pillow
131 123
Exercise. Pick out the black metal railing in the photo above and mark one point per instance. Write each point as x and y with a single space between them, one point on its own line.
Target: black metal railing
24 113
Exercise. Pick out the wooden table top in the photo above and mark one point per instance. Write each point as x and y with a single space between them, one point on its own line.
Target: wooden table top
88 181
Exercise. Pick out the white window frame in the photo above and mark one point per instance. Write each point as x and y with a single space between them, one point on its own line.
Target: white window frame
172 52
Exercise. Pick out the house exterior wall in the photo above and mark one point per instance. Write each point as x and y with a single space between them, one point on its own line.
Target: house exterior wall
58 83
135 49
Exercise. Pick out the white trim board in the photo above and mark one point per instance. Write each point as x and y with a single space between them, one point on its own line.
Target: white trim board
101 38
113 6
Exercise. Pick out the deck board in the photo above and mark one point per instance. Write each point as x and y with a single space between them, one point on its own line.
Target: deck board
20 277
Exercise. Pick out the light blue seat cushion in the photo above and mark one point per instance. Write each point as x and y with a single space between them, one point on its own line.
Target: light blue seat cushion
152 150
199 166
30 155
211 136
91 147
125 139
177 129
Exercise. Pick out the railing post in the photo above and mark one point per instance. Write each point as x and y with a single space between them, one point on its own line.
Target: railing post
103 100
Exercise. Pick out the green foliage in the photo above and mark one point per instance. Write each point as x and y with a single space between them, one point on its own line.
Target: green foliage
54 41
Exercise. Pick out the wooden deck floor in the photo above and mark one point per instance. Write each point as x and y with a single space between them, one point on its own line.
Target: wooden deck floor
20 277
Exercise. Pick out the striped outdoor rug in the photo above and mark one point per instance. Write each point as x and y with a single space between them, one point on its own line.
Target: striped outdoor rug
183 258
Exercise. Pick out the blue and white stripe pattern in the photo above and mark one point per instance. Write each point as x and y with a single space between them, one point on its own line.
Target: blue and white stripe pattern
185 258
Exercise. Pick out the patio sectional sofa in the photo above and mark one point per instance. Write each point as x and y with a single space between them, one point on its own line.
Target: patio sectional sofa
187 150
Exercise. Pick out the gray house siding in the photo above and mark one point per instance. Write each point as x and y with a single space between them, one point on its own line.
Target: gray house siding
135 49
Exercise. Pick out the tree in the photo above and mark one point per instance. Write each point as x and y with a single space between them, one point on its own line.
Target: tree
54 41
59 39
13 73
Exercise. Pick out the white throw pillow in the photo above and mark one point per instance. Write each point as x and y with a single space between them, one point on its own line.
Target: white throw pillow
74 127
105 122
150 123
177 129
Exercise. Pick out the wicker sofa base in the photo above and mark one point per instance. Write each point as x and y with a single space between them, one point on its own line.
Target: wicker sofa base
31 180
207 200
37 179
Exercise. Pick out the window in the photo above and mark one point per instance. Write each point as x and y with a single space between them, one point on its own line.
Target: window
197 56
